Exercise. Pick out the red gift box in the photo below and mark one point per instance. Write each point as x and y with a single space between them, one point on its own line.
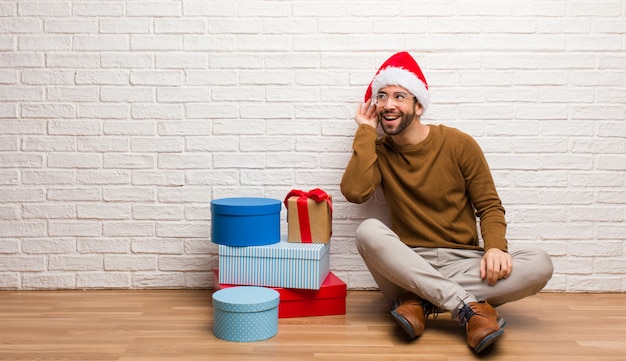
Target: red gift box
330 299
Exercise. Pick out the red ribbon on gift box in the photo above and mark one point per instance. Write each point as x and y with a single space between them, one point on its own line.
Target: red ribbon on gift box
317 195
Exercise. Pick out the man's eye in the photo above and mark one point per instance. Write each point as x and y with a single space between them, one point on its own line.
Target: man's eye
400 96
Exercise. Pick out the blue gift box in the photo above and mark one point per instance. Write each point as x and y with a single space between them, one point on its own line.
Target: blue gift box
245 314
283 264
245 221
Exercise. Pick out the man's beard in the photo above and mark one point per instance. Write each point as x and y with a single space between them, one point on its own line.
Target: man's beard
405 121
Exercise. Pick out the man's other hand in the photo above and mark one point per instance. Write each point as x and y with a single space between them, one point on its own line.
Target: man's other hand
495 265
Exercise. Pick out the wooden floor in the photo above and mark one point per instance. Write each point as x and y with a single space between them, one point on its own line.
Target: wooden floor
177 325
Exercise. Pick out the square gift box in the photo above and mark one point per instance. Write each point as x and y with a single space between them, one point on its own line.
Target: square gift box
283 264
330 299
309 216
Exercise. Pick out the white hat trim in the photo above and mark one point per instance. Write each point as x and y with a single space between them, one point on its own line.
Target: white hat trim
404 78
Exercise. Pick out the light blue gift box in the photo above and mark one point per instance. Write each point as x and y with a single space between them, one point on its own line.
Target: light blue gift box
245 314
283 264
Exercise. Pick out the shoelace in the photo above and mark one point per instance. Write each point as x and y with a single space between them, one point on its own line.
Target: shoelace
430 309
464 314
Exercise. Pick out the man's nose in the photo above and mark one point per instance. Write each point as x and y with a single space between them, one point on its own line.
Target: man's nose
389 103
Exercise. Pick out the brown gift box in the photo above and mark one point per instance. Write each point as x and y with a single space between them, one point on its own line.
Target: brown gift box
309 216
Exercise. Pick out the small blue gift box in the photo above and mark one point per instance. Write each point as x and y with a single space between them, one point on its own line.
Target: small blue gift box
283 264
245 221
245 314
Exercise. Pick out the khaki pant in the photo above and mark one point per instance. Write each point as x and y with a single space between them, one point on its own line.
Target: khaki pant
445 277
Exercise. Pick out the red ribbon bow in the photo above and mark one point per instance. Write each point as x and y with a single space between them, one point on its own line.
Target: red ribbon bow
317 195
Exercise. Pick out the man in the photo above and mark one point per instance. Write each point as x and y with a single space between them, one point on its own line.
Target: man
436 181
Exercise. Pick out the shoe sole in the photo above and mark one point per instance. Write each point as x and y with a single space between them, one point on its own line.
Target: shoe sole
404 324
488 341
501 322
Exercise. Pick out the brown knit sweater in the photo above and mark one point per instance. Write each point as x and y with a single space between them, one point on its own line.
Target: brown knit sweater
434 189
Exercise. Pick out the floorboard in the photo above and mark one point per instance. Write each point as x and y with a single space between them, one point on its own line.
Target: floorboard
155 325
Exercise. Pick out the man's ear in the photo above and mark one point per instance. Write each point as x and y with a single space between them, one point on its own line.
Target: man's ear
419 109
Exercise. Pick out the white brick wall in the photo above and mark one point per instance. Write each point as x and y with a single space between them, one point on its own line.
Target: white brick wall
121 120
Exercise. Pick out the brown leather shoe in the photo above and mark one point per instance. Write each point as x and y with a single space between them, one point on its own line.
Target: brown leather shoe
481 324
411 313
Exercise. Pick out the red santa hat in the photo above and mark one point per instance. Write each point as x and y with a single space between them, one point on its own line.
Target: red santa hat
402 70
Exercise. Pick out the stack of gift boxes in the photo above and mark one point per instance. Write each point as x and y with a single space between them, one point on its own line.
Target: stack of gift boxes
252 251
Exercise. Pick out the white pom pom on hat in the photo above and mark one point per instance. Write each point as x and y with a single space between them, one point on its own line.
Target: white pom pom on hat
402 70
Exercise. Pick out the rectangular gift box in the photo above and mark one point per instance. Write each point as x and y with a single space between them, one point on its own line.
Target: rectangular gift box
309 221
283 264
330 299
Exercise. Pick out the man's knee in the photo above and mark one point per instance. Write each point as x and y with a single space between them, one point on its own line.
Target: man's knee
539 266
367 233
545 268
365 228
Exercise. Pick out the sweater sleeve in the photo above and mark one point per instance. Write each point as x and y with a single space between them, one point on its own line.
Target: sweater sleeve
483 195
362 176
